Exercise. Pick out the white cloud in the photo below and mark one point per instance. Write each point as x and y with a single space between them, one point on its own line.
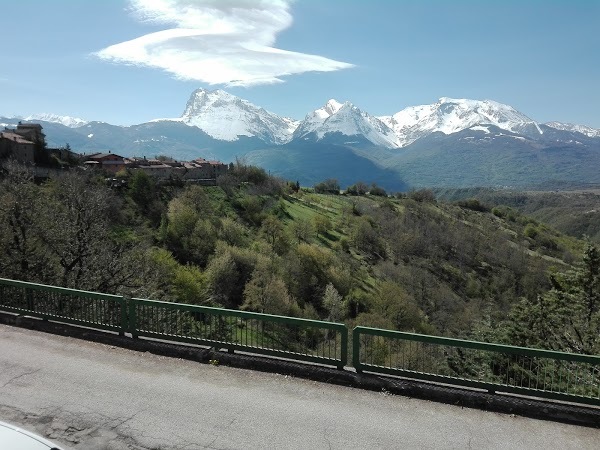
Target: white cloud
217 42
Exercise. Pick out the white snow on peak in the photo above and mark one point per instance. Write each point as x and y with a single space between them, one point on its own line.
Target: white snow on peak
486 130
450 115
227 117
332 106
291 123
347 119
588 131
71 122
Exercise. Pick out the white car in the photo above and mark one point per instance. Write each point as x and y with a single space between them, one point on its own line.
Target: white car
14 438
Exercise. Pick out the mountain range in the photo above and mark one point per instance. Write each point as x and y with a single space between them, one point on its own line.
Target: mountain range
450 143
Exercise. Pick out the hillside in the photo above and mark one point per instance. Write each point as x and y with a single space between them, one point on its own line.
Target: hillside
257 243
575 212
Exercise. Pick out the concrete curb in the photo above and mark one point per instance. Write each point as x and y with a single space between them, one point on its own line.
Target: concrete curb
587 416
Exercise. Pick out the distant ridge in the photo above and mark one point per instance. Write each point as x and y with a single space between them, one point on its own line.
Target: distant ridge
452 142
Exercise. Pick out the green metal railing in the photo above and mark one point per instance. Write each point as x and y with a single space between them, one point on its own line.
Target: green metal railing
91 309
503 368
287 337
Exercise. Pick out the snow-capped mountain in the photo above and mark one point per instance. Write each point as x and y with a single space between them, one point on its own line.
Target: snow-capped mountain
450 116
226 117
588 131
348 120
67 121
452 142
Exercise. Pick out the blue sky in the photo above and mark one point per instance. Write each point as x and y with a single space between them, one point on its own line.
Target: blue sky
129 61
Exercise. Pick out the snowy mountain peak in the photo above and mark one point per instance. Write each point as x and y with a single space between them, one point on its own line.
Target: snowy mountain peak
449 115
71 122
227 117
588 131
333 106
348 120
202 99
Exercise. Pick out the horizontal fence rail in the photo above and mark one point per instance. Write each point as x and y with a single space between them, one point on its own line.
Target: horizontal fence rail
287 337
91 309
504 368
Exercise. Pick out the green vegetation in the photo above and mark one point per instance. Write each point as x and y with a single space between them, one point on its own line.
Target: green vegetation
572 212
565 318
257 243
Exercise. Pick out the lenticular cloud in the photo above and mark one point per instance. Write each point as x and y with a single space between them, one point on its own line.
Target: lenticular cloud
217 42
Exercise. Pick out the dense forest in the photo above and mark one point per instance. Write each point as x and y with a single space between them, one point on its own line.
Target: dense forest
462 268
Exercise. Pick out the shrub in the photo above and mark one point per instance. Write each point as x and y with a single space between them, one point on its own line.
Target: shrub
531 231
473 204
378 191
329 186
422 195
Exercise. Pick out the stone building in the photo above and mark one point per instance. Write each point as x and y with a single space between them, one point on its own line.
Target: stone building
13 145
32 132
110 162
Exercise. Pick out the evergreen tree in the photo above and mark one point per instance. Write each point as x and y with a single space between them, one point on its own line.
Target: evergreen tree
566 318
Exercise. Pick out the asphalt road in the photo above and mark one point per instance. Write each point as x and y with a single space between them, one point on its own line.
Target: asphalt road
86 395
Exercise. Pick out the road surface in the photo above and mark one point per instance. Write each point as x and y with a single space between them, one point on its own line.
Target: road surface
86 395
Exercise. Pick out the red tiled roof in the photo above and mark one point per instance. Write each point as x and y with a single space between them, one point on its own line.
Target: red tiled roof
14 137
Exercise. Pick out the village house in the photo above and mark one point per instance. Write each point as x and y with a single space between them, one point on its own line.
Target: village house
31 132
199 170
21 142
13 145
109 162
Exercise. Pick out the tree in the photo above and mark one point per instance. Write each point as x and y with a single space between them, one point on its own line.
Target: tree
222 277
567 318
322 224
422 195
273 230
232 232
251 209
189 285
359 188
267 293
333 303
21 252
391 301
202 242
189 232
302 230
377 191
365 238
306 272
75 223
229 271
228 182
182 219
329 186
142 188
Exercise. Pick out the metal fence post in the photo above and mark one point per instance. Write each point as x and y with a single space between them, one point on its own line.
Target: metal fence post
356 350
344 343
124 318
132 318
